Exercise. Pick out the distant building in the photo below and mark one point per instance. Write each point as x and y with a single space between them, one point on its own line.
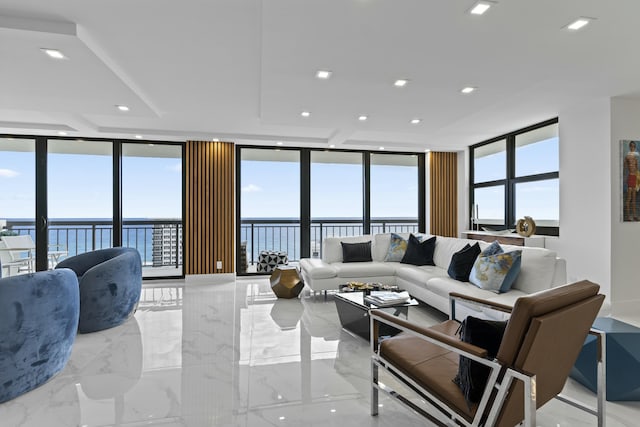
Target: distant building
167 245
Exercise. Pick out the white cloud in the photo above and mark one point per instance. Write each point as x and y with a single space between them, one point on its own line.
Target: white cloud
175 168
251 188
8 173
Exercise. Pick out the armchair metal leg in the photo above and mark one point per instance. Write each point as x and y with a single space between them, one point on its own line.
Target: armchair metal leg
374 388
530 401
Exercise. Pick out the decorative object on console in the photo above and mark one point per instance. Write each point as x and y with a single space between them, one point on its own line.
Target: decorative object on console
356 252
526 226
630 185
495 270
462 262
419 253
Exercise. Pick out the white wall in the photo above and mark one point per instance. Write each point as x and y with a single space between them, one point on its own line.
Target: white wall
625 236
585 193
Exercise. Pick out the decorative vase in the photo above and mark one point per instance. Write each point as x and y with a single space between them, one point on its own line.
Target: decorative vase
526 226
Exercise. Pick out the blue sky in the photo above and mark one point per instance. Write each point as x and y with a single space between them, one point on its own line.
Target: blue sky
80 186
270 189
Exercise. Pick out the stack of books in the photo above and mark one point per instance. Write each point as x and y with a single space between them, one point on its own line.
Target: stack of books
387 299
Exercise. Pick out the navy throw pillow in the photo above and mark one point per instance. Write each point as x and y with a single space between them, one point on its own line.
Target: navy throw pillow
472 376
462 262
356 252
419 253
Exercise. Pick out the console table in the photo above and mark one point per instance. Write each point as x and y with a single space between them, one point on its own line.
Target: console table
505 239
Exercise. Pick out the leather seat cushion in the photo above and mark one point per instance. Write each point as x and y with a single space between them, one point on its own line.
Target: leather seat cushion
428 363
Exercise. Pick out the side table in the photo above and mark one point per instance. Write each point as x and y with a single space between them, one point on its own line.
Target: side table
622 360
285 282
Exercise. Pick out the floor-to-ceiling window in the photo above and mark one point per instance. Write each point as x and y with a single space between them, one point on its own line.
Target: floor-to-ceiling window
269 206
17 201
290 200
88 194
394 193
152 205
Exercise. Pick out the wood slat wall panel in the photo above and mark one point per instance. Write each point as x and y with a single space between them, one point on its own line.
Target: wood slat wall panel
443 182
210 203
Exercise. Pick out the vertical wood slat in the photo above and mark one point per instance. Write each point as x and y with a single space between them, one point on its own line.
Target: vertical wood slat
443 182
210 202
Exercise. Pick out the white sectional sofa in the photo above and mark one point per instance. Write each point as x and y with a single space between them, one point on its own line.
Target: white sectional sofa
540 269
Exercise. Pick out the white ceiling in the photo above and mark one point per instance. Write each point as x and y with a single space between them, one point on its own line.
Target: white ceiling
243 70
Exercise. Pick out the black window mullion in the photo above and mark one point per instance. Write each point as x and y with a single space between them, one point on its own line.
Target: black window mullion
305 203
117 194
510 202
42 215
366 192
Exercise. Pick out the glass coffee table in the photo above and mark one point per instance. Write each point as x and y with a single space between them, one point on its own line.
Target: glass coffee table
353 312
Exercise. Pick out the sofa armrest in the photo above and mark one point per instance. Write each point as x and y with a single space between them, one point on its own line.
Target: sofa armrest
454 296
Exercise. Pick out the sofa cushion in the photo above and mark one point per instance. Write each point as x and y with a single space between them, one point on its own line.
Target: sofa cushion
496 272
419 253
415 274
446 247
537 270
332 249
397 248
356 252
317 269
443 286
462 262
370 269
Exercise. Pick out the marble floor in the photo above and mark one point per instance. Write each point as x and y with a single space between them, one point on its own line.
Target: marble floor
231 354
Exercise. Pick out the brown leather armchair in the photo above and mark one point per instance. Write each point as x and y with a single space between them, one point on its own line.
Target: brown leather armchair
542 339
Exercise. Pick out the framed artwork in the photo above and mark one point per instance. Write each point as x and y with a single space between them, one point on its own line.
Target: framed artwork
630 167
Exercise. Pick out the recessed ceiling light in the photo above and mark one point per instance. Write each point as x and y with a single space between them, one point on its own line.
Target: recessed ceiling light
579 23
323 74
415 121
381 148
426 150
401 83
305 114
138 136
216 140
122 107
62 133
363 118
480 7
332 146
279 143
467 89
53 53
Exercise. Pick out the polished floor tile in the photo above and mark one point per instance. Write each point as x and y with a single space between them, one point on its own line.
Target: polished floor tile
231 354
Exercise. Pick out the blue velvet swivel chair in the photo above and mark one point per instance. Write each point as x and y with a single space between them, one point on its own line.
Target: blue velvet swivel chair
110 285
38 325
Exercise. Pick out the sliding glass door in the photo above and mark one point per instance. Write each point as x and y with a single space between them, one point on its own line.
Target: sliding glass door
270 208
152 206
17 204
79 196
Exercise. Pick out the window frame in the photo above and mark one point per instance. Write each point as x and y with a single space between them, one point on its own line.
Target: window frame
509 183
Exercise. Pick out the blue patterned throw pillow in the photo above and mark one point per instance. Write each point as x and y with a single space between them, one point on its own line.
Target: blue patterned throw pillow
397 248
496 270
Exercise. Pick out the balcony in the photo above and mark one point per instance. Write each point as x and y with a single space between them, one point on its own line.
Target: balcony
261 234
159 242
